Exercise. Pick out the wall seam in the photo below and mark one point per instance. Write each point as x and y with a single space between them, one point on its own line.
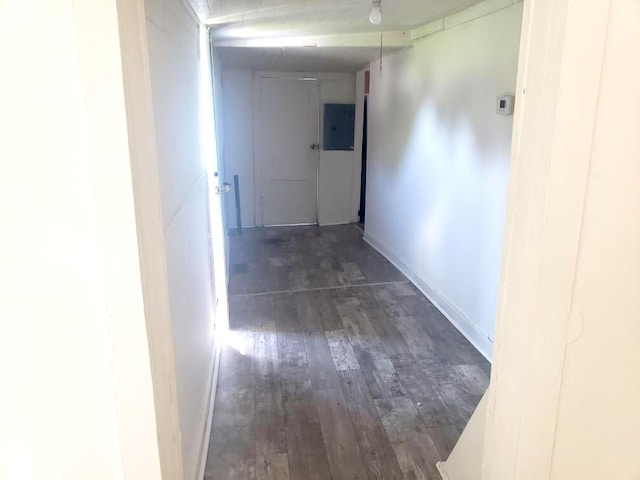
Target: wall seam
184 199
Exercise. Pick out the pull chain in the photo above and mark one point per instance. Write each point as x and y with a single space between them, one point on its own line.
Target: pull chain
380 53
381 34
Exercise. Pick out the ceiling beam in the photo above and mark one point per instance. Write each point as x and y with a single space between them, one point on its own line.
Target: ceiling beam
370 39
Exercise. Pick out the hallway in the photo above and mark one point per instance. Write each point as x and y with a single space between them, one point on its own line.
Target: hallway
335 366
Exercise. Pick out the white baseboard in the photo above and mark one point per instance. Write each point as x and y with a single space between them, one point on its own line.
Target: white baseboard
331 224
204 447
442 470
455 316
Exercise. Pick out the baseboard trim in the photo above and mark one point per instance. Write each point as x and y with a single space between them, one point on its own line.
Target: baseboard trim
204 447
442 471
455 316
331 224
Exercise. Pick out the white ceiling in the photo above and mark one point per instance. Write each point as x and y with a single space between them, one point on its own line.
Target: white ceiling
239 20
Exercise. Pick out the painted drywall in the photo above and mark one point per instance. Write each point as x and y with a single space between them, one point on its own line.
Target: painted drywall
438 164
336 169
565 384
173 34
78 400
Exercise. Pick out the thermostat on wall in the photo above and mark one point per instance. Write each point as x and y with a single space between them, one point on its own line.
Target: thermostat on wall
504 104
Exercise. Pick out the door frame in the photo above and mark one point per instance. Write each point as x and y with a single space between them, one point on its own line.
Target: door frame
258 167
564 66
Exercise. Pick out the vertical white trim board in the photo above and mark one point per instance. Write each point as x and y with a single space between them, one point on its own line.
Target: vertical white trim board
442 470
458 319
204 449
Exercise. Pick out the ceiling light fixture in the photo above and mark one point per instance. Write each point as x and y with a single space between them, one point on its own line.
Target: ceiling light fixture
376 12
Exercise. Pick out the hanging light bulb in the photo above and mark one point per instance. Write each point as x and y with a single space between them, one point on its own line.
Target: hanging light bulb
376 13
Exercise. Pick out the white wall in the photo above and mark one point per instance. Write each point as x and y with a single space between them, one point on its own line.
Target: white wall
565 384
438 163
173 34
77 397
336 169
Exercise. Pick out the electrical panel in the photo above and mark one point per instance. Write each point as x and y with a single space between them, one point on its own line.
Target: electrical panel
338 126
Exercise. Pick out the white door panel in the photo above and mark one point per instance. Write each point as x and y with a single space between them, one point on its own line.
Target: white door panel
288 128
290 202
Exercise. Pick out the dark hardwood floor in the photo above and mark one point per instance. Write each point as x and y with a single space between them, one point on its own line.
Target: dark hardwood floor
336 367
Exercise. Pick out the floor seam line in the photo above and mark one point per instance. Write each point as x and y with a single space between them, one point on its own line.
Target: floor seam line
319 289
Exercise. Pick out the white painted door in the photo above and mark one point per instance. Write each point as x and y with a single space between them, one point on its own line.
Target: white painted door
288 150
211 132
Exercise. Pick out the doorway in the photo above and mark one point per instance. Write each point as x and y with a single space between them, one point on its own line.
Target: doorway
287 151
363 169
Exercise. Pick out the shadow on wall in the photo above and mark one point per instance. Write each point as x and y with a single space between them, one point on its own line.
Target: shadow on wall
439 159
431 80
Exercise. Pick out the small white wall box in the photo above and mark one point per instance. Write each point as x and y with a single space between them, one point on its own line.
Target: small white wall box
504 104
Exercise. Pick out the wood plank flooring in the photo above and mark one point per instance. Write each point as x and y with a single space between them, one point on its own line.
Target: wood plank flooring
336 367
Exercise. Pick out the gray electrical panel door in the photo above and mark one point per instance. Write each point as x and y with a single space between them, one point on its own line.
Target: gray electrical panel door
339 125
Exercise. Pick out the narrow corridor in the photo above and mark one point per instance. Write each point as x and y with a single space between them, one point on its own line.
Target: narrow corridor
335 366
